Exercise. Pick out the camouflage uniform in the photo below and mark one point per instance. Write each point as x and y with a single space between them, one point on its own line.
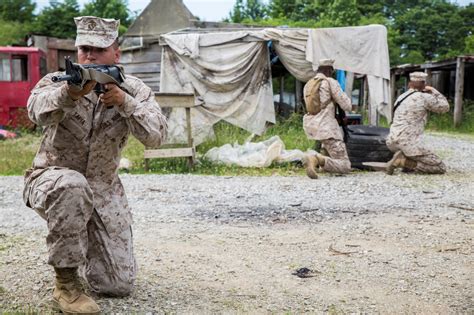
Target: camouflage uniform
406 131
324 127
74 181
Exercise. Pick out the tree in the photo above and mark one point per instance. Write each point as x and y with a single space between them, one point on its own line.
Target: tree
252 10
341 13
17 10
237 13
57 20
12 32
113 9
433 30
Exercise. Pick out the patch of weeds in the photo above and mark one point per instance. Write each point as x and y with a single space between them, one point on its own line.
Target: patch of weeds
333 310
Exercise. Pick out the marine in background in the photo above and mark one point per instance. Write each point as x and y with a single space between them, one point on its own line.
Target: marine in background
406 132
321 94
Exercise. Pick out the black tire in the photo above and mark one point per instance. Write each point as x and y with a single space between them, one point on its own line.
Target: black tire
367 144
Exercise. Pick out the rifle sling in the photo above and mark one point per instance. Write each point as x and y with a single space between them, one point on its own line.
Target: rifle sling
400 102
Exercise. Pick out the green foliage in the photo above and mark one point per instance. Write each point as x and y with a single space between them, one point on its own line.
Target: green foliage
12 32
57 20
16 155
252 9
114 9
341 13
469 41
444 122
417 30
17 10
432 30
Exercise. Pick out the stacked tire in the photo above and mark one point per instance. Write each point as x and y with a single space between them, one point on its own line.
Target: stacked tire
367 144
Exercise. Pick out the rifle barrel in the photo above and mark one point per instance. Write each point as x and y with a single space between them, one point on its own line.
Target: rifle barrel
59 78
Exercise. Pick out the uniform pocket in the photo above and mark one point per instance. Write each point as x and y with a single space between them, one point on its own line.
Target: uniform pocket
75 128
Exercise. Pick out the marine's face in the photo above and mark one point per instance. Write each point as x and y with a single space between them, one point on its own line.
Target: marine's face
98 56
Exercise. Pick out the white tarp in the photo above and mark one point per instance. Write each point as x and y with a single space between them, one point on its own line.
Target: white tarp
230 72
254 154
360 49
233 79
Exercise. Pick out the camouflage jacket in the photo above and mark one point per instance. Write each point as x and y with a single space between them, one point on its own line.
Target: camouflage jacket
409 120
323 125
88 137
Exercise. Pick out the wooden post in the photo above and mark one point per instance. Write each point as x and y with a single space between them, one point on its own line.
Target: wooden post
282 90
365 102
429 78
190 136
298 96
459 91
393 93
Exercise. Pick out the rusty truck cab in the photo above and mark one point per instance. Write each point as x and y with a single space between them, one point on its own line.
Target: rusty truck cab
20 69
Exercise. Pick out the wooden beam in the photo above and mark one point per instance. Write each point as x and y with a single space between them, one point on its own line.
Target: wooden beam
282 91
298 96
168 153
175 99
459 91
393 93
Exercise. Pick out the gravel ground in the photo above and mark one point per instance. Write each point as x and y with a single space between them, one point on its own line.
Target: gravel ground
371 243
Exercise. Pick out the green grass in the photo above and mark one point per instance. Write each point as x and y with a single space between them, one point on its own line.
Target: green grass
290 131
17 155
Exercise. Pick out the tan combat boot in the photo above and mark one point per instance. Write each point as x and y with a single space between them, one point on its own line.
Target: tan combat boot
69 296
311 163
398 160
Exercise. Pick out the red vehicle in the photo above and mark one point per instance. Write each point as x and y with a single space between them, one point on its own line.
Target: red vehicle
20 69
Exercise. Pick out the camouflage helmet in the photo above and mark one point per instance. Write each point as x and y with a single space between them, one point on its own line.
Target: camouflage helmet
96 32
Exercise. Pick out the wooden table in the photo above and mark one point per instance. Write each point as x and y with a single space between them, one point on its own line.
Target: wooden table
175 100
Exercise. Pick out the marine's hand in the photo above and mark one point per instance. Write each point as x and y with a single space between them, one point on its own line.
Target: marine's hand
75 93
428 89
113 96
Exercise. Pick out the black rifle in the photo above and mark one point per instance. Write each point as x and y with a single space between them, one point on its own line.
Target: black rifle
342 120
78 75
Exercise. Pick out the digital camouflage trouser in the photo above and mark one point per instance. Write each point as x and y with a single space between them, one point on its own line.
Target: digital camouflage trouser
338 160
428 163
76 234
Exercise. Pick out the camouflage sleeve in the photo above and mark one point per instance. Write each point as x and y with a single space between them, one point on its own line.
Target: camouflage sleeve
48 102
339 96
437 103
144 117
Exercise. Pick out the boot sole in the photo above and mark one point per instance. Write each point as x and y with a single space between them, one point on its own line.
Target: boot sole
56 307
311 173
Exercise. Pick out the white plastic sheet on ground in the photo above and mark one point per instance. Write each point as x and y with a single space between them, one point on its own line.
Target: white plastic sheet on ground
254 154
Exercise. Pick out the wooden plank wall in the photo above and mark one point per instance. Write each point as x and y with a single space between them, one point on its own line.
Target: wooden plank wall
145 64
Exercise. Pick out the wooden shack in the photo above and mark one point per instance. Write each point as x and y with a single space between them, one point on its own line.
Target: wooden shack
56 50
141 52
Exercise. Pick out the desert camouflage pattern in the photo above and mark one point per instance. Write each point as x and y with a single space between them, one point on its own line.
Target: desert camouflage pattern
74 181
324 125
96 32
76 234
406 131
338 160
